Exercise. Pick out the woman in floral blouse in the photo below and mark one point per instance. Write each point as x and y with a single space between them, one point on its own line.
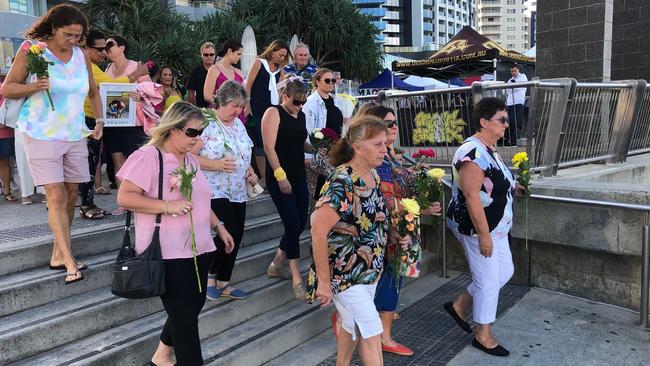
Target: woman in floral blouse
225 156
349 232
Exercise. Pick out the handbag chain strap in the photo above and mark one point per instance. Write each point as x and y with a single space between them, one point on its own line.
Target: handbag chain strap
127 225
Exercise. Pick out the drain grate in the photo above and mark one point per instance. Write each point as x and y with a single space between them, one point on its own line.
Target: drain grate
39 230
429 331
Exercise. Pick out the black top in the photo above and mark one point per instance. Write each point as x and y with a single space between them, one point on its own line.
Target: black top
260 95
196 82
334 116
289 145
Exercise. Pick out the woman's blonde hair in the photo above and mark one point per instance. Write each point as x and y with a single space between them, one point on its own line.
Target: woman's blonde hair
359 128
176 117
295 89
276 45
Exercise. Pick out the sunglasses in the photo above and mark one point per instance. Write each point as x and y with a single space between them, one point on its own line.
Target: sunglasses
299 103
503 120
208 55
100 49
192 132
390 123
329 81
109 45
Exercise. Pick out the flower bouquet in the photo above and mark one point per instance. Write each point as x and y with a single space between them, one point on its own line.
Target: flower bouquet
428 186
322 138
520 162
182 179
406 258
37 64
423 156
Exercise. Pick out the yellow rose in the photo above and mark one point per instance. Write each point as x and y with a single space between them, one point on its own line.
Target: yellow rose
411 206
436 173
519 158
35 50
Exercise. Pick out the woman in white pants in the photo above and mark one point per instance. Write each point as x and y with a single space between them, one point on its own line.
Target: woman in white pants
25 176
480 216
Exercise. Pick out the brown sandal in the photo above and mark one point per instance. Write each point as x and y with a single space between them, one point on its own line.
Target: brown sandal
10 197
78 276
91 212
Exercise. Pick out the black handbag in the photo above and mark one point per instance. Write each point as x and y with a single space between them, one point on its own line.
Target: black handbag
140 276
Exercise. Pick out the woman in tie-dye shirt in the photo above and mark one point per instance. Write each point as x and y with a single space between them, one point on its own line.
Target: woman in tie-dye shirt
55 135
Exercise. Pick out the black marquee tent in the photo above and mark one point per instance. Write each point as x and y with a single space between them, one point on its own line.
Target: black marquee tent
468 53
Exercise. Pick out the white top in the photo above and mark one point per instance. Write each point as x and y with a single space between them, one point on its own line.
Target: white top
316 114
516 95
219 141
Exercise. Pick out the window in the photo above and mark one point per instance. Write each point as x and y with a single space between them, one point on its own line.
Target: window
510 20
511 46
511 38
511 11
510 28
511 2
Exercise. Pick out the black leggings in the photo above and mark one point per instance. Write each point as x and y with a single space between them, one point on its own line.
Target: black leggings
233 215
87 190
293 212
183 303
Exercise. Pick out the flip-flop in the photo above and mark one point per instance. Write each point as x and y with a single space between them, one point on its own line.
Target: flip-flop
61 267
9 197
103 191
77 279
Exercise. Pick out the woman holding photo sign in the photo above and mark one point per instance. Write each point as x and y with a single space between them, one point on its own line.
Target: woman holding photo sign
52 119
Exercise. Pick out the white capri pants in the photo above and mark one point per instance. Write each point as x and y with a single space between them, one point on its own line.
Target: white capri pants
488 275
356 306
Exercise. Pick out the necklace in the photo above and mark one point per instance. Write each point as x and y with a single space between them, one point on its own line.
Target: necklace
489 146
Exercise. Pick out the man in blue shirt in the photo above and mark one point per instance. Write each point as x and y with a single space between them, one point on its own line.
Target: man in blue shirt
301 66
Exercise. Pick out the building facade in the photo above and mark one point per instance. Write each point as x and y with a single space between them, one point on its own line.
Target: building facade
506 22
418 24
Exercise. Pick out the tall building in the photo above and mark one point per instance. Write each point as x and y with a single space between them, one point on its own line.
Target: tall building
418 24
505 22
531 13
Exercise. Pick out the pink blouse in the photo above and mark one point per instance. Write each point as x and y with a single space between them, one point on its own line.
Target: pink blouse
141 169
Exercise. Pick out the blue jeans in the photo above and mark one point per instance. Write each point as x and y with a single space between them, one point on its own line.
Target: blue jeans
293 212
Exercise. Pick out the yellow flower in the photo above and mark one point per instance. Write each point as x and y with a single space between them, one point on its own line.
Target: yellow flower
377 251
312 278
436 173
364 222
409 217
35 50
519 158
411 206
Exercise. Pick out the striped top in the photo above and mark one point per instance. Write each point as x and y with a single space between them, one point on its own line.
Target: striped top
68 87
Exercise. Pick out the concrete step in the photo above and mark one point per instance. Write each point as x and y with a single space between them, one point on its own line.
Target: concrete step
39 286
35 330
34 250
133 343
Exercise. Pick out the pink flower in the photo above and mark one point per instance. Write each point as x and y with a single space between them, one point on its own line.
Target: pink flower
416 155
174 181
150 64
25 46
42 45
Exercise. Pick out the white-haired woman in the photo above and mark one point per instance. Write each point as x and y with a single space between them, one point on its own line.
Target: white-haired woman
177 133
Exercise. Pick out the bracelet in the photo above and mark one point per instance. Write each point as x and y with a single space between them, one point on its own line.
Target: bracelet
280 174
165 203
99 120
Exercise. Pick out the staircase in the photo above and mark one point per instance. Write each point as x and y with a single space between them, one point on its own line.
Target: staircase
44 322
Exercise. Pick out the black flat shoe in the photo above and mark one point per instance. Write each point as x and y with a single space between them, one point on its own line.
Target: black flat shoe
496 351
449 308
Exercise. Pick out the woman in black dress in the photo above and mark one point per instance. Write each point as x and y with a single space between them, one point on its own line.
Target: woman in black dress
284 134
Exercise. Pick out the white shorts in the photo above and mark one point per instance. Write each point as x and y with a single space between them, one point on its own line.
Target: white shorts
356 306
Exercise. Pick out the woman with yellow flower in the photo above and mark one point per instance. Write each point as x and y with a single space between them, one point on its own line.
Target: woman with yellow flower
349 233
393 177
480 216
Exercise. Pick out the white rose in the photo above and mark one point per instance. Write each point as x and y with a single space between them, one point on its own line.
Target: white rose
319 135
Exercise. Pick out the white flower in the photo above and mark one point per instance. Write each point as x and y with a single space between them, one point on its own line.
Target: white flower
318 135
315 130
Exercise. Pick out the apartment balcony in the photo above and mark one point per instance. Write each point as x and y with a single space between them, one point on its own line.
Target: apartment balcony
368 2
373 12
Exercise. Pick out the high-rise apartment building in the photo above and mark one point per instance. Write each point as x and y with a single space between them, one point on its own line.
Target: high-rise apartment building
505 22
419 24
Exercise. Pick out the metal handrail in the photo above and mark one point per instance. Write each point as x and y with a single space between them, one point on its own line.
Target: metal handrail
645 241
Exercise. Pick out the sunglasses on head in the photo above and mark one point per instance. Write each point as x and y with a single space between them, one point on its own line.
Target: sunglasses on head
329 81
390 123
192 132
299 103
503 120
208 55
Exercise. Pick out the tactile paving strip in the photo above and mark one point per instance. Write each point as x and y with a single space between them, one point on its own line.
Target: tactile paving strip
430 332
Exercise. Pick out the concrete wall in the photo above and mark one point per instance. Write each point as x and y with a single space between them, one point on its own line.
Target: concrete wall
631 40
572 40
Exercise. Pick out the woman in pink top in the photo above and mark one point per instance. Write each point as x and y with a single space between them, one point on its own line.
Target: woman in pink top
223 71
176 135
120 142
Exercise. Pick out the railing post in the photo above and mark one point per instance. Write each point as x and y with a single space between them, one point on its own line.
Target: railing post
645 258
626 116
531 121
558 120
444 235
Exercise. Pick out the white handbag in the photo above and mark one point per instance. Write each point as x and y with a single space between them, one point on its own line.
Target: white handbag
10 110
253 191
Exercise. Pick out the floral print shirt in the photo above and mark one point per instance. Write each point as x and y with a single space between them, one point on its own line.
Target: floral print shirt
220 140
496 192
357 241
